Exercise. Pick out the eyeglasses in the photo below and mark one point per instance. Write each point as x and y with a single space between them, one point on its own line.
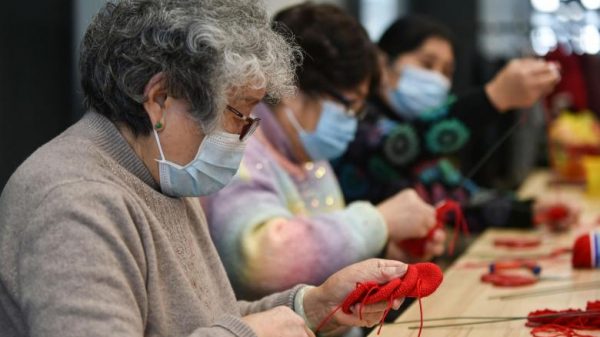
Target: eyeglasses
248 128
359 113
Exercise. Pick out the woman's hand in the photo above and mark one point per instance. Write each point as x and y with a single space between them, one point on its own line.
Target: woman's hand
433 247
521 83
278 322
407 216
319 302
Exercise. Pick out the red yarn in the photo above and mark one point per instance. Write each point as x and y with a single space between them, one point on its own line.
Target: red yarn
517 242
504 280
420 280
586 251
565 322
553 216
416 247
499 277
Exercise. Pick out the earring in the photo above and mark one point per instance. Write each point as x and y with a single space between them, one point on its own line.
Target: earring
160 124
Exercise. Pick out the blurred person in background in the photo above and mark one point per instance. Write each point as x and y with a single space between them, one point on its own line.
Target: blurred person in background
283 219
415 127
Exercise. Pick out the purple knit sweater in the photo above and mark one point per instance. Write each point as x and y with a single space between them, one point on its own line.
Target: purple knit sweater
280 222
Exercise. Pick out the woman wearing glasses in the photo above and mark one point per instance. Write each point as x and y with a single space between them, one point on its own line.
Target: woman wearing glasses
98 233
283 220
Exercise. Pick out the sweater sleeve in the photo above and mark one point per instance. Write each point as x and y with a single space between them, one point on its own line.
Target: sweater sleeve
284 298
473 108
81 274
270 242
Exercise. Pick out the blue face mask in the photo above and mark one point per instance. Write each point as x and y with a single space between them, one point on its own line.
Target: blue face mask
418 91
335 130
215 164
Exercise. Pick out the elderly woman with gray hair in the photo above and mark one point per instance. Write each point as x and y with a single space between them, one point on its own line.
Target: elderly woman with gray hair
98 235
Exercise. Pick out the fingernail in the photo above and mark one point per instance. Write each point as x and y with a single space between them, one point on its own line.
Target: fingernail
396 271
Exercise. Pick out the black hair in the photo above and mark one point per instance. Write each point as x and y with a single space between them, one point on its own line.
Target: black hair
408 33
338 53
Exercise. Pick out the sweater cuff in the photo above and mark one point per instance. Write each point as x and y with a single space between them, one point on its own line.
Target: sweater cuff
372 223
299 305
236 326
290 299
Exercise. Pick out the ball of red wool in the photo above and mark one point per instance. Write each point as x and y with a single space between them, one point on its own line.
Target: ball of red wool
586 251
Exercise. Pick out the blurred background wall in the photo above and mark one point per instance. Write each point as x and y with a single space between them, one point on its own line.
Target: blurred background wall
40 95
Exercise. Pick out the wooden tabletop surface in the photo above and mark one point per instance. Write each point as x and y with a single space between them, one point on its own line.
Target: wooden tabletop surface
463 294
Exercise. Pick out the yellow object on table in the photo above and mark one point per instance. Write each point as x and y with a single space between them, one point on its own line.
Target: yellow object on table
571 137
592 175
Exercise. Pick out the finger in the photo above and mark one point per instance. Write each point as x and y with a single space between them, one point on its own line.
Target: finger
371 308
380 307
372 319
309 332
397 303
435 249
429 217
541 68
352 320
439 236
545 80
381 271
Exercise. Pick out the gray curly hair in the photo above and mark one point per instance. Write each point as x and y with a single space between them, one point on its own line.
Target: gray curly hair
206 49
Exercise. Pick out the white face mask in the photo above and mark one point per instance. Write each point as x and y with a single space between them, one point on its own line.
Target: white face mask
215 164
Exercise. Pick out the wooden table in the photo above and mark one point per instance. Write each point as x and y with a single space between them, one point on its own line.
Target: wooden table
463 294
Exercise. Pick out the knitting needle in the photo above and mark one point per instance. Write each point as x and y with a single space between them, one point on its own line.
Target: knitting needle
555 290
491 151
488 320
454 318
553 315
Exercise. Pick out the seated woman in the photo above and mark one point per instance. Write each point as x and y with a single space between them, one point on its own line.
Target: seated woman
98 235
283 219
415 128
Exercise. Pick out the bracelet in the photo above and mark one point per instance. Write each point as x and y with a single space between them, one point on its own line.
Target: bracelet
299 305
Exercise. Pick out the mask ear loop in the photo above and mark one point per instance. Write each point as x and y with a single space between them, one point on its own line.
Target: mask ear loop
158 127
162 155
294 120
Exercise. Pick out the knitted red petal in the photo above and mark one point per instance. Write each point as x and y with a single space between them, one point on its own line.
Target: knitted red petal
431 277
429 274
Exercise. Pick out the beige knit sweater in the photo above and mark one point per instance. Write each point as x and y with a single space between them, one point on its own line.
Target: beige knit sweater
90 247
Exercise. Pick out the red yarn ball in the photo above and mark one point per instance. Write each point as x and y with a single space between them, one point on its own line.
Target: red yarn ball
586 251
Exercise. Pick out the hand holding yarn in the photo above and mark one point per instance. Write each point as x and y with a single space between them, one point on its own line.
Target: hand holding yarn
418 280
521 83
407 216
432 247
321 302
416 246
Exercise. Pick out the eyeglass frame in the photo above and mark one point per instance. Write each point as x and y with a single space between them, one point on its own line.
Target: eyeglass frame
250 126
347 103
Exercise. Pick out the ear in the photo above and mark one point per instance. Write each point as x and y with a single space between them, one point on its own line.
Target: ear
155 95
